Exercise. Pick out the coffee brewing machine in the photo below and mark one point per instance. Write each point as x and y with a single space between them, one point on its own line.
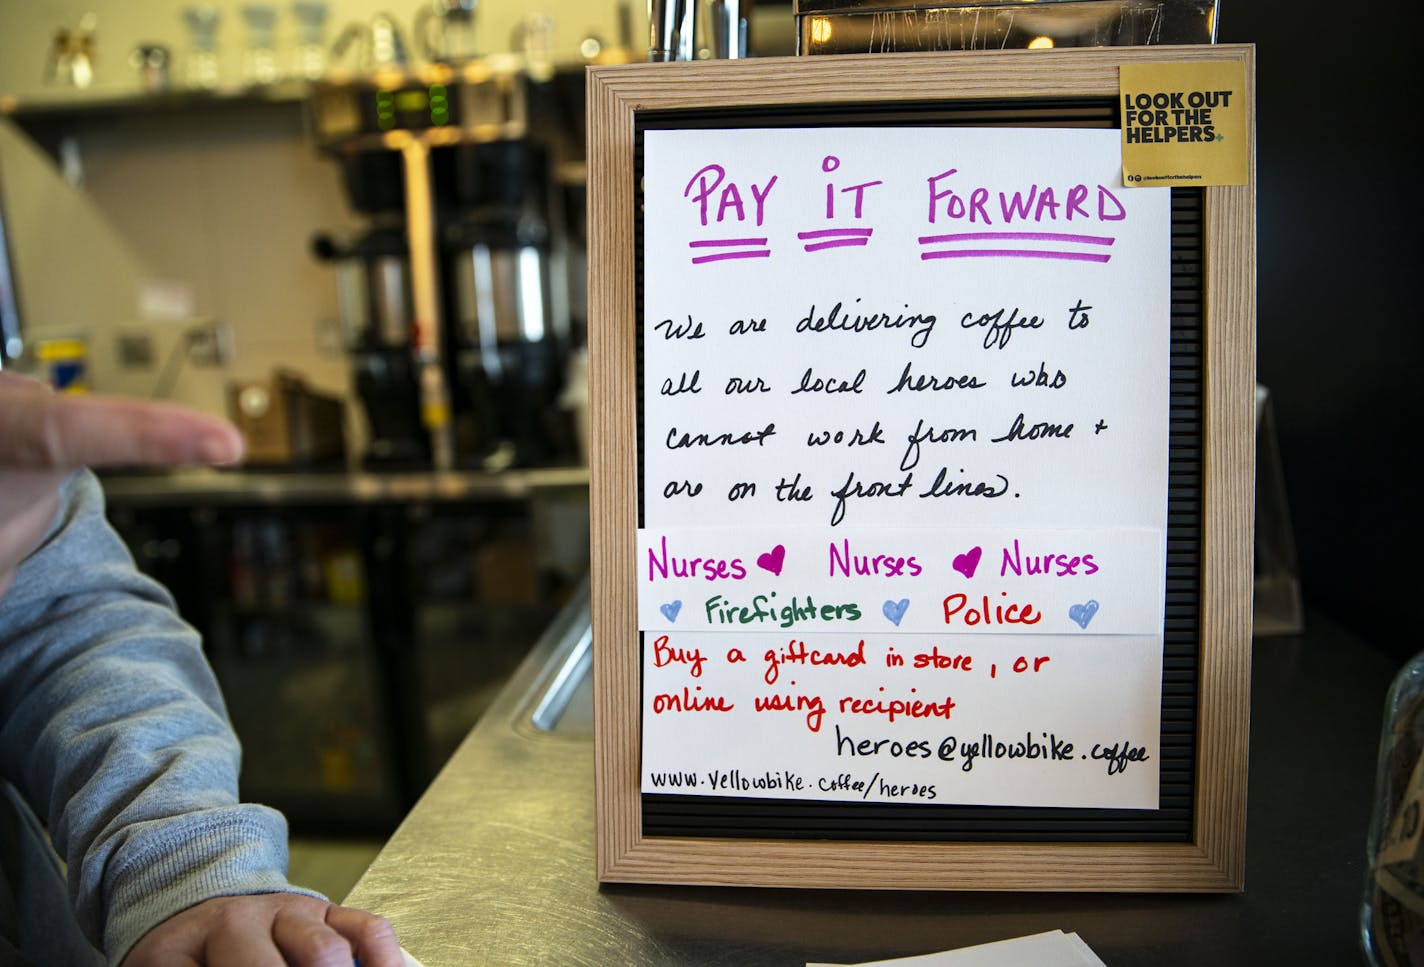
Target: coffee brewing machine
455 301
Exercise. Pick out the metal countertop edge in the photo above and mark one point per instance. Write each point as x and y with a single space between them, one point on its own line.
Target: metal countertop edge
248 487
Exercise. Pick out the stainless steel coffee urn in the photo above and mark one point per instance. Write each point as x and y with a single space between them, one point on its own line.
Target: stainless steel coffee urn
456 300
508 346
374 305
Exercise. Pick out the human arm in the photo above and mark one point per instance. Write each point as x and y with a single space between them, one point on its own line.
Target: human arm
111 723
44 437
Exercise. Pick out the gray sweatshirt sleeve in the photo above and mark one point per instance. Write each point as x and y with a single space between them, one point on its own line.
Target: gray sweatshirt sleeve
113 728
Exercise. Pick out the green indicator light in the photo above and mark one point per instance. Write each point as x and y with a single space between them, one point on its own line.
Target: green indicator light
385 110
439 104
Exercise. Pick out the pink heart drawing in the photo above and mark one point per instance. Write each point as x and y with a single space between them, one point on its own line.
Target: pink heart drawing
968 562
773 559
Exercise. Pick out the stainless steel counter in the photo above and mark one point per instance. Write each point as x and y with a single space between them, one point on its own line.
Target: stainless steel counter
331 487
495 864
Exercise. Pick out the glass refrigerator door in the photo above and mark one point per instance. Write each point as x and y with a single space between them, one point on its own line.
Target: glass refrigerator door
293 649
486 580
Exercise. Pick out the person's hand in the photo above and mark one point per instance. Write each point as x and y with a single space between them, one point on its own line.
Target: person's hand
44 436
268 930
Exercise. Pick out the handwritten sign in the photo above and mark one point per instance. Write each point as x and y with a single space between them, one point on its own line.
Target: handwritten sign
905 405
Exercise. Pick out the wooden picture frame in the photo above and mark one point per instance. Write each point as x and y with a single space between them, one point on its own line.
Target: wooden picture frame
1213 858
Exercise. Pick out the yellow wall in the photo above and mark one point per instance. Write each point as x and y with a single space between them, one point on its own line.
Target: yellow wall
221 204
223 210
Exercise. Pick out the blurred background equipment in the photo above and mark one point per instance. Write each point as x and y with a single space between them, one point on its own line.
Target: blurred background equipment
71 55
64 363
200 66
286 423
455 303
309 60
879 27
378 44
151 62
375 305
445 30
259 57
699 29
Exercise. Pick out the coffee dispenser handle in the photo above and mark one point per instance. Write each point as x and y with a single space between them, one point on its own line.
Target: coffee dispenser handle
350 34
326 248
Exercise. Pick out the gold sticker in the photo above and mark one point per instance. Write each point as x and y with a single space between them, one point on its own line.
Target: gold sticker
1184 124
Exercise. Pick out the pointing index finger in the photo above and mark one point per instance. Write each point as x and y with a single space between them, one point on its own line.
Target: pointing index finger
45 430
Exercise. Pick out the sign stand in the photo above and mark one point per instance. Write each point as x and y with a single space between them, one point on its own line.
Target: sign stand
932 827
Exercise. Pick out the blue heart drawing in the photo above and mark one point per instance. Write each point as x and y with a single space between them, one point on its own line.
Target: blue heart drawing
670 609
1081 614
895 610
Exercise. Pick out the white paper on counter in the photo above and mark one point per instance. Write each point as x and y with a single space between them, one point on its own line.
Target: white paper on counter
1051 949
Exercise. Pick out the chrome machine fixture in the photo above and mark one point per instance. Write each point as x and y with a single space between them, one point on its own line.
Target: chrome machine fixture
698 29
455 304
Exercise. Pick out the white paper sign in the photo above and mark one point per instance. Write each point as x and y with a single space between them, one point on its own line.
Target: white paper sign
904 466
929 580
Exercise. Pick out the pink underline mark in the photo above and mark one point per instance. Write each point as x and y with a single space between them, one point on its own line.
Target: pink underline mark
747 244
1021 236
710 242
835 237
1010 253
751 254
835 233
838 243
